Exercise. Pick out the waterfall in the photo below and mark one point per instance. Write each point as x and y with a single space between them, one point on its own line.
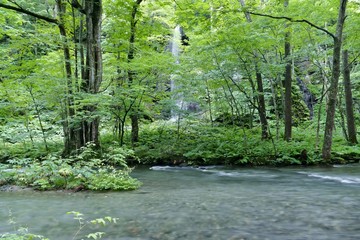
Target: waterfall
175 43
179 39
175 51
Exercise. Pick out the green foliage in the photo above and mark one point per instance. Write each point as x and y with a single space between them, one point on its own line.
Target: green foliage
118 156
199 144
217 71
112 179
84 171
79 217
23 233
196 144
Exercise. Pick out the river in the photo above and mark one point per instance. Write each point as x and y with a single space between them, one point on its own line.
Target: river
202 203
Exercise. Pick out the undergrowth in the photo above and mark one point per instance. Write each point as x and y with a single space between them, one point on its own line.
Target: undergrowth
205 145
86 171
166 143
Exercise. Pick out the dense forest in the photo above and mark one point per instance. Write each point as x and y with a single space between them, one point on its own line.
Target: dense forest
92 83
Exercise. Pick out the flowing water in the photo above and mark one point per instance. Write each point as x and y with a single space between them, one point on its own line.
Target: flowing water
203 203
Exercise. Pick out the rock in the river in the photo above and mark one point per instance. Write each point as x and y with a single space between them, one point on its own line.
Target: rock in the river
13 188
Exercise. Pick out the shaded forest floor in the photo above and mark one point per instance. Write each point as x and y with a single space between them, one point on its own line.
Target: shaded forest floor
195 144
206 145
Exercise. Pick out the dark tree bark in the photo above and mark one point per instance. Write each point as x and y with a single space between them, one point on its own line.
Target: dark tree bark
93 71
350 120
261 104
134 116
88 130
134 127
68 111
18 8
333 89
287 83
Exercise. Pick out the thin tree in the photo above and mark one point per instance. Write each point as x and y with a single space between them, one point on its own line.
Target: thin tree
287 82
76 136
350 120
333 89
260 89
335 74
134 115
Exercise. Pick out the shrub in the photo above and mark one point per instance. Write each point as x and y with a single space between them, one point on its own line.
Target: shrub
84 171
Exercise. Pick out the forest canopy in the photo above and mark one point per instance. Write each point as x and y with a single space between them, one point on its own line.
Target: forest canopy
262 82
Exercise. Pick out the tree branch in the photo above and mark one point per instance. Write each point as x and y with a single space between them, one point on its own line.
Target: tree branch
77 5
177 4
18 8
294 20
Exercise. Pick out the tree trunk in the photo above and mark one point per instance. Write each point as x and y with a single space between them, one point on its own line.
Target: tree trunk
78 134
274 102
342 115
287 83
209 101
350 120
261 104
134 128
68 109
260 88
333 89
93 71
131 74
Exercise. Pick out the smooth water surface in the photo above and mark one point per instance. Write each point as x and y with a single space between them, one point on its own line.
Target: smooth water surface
203 203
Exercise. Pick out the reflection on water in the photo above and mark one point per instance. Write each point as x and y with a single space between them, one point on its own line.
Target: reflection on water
204 203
